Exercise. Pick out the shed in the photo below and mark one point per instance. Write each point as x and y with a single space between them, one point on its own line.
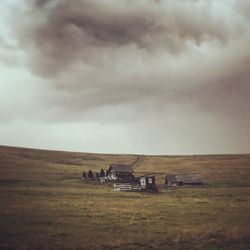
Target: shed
147 183
184 179
120 171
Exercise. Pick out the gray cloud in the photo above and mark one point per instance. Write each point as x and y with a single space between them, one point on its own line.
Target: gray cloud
58 34
113 75
137 54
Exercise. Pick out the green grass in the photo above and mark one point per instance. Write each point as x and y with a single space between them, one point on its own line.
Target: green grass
44 205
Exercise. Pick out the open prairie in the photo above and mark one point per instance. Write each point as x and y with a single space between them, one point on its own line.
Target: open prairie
44 204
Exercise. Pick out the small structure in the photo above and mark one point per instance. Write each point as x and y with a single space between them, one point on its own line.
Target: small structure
120 172
127 187
147 183
142 184
184 179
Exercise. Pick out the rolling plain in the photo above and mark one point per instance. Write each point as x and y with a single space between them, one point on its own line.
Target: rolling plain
45 205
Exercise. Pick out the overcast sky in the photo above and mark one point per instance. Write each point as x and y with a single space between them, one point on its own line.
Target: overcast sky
127 76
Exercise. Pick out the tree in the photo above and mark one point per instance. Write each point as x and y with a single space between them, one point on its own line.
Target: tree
90 174
102 173
84 174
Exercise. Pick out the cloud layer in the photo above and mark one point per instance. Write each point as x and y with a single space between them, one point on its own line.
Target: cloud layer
131 60
62 33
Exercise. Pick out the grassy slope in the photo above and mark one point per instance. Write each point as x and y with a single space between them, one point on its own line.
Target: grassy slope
45 206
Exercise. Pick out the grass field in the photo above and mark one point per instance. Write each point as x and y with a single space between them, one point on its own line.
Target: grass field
44 205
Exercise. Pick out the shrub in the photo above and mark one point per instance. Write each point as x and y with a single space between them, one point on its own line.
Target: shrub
102 173
90 174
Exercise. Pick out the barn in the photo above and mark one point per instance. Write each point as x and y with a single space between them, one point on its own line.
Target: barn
120 171
184 179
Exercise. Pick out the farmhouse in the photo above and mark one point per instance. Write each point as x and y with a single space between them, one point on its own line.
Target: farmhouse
120 171
184 179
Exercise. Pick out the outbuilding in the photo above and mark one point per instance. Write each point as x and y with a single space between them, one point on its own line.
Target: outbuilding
147 183
184 179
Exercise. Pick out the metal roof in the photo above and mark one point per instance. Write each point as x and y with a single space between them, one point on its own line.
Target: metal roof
185 178
121 168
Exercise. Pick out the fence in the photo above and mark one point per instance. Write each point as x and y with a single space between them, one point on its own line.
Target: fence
126 187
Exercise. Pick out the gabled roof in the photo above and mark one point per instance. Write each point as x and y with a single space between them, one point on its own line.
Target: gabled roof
121 168
185 178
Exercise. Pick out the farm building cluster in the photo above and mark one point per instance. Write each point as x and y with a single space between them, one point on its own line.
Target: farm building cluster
122 176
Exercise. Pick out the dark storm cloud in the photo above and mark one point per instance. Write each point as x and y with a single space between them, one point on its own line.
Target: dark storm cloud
145 55
58 34
228 95
149 76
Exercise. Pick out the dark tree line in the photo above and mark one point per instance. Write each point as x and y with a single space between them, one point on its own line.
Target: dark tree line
102 173
91 175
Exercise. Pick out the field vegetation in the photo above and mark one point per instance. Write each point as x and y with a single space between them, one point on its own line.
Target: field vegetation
44 204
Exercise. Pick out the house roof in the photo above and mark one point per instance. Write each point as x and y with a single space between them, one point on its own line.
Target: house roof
121 168
147 175
185 178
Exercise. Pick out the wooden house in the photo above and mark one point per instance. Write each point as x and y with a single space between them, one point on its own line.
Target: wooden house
184 179
120 172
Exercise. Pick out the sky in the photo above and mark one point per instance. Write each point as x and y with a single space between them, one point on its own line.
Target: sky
128 76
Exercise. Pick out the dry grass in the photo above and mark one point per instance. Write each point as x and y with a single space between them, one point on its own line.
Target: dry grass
45 206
